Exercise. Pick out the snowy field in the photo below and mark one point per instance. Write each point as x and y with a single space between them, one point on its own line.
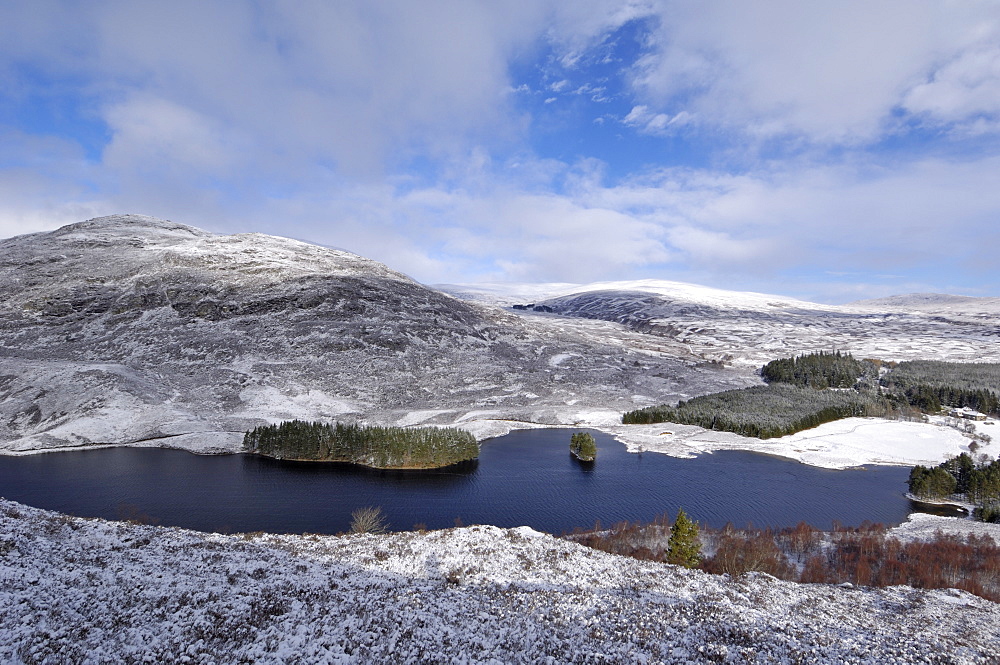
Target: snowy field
90 591
921 526
838 445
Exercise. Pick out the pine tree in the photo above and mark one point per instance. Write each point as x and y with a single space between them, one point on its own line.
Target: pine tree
684 546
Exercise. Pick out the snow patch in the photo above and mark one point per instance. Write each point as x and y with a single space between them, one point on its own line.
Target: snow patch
840 444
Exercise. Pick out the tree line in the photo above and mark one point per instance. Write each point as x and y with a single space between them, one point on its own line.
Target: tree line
583 446
374 446
815 370
963 478
764 412
931 384
798 396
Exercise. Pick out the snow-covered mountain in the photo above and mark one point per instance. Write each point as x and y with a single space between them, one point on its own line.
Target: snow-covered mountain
129 328
748 329
132 329
79 591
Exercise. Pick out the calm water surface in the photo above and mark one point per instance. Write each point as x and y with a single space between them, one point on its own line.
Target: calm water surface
524 478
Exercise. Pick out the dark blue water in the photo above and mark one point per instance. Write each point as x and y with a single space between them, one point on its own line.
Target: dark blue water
524 478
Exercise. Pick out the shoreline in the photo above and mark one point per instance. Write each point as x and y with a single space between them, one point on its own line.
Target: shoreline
361 465
842 444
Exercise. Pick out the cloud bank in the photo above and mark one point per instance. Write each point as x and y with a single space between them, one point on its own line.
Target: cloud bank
831 151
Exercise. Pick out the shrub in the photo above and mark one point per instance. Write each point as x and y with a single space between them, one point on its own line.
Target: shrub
369 519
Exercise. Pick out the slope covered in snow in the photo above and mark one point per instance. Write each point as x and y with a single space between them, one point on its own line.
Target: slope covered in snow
132 329
75 590
841 444
935 303
749 329
504 294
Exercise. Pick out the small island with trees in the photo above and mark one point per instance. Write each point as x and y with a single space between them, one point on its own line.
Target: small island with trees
375 447
583 447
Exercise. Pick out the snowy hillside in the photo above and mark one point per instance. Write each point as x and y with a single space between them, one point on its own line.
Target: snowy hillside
75 590
935 303
748 329
504 294
132 329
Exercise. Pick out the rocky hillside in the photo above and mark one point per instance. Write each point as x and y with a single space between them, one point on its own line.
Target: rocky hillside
76 590
129 328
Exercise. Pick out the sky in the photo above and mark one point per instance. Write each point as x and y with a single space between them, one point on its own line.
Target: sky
825 150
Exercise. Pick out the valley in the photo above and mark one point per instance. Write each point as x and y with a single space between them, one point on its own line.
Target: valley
130 331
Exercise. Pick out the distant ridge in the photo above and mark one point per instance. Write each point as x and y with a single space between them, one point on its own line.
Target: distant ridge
934 302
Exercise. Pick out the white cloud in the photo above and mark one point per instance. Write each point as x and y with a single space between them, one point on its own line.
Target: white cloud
151 134
962 90
350 83
302 119
833 72
724 229
44 184
513 235
649 122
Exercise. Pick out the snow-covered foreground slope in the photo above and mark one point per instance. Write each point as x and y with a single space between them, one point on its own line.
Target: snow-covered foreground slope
89 591
922 526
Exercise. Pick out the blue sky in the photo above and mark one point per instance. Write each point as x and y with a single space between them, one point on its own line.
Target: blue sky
831 151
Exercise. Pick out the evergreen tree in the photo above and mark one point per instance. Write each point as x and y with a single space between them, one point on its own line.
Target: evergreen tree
684 546
815 370
978 483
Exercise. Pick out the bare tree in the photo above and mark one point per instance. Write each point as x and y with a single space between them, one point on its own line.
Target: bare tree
369 519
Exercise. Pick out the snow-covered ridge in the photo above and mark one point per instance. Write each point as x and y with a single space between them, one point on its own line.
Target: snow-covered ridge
934 303
158 244
749 329
507 294
75 590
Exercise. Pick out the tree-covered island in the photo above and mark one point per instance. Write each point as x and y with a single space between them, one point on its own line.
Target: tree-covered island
371 446
583 447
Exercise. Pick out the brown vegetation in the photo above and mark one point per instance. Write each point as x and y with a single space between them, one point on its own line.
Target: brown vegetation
864 556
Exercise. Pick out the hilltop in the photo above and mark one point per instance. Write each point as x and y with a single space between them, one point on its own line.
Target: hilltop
128 329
